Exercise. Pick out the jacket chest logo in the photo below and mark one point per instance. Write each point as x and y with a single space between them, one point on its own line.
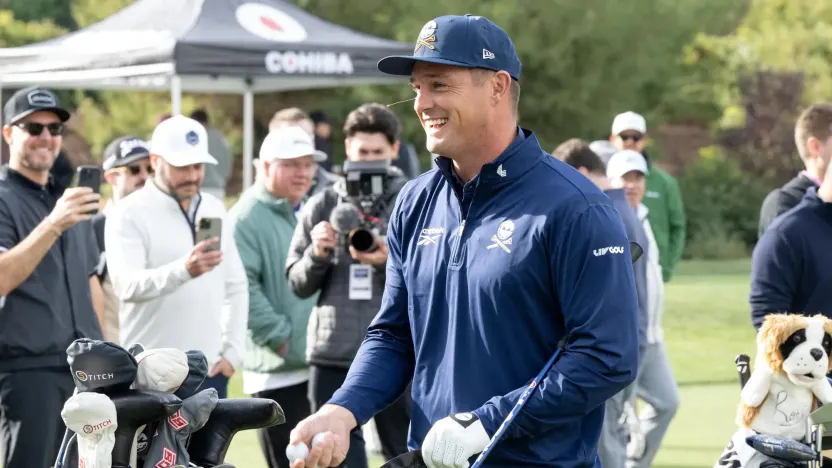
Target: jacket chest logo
430 236
503 237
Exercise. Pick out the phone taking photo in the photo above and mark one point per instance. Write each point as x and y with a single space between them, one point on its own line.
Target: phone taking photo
90 176
208 228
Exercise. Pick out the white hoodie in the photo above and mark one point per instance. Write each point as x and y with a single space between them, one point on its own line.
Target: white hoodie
655 282
148 238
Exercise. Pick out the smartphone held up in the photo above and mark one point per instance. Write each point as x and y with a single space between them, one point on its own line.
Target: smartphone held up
89 176
209 228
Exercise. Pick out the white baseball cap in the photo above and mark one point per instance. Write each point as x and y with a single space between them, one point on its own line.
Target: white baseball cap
289 142
629 121
625 161
181 141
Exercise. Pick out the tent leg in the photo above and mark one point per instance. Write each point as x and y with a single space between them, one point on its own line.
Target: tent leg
248 137
176 95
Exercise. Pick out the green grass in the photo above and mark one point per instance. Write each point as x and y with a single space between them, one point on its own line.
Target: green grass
706 324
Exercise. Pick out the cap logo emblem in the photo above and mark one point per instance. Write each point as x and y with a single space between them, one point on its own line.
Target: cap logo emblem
127 146
41 98
192 138
426 36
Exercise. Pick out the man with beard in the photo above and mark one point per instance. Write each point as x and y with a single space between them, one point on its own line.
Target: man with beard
127 168
47 263
175 294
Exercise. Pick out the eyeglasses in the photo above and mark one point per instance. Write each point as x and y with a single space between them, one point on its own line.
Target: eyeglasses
631 136
35 129
137 169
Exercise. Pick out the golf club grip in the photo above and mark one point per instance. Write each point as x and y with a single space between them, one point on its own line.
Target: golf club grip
520 404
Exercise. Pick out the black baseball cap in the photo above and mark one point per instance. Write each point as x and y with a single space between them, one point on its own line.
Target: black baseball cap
125 150
462 41
30 100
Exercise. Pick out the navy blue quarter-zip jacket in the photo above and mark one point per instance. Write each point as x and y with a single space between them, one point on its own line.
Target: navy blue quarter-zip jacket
483 281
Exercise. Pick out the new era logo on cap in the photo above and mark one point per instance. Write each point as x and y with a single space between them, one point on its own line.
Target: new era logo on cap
487 54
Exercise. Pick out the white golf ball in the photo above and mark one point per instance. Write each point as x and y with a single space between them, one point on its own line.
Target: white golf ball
297 452
319 437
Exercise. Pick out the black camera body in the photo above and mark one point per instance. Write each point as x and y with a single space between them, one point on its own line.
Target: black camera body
366 183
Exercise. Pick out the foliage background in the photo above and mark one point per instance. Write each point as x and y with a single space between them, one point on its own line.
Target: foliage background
719 81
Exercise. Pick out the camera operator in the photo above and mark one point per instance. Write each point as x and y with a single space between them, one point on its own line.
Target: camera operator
339 249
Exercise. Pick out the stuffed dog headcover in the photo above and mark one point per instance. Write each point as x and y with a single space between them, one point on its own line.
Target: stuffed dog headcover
789 377
788 381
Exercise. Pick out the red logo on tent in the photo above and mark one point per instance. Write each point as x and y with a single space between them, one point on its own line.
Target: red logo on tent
270 23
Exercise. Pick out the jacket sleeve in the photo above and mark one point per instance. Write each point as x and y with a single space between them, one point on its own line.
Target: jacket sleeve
387 349
775 276
269 327
235 307
678 228
592 273
132 280
305 270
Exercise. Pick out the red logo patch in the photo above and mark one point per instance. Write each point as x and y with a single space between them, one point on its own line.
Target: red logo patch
168 459
177 421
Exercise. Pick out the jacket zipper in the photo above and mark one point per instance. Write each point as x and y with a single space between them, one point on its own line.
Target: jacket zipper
457 245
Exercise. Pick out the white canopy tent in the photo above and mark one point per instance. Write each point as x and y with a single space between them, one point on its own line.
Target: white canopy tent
207 46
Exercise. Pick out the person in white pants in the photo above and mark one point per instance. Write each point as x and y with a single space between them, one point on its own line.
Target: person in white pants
655 384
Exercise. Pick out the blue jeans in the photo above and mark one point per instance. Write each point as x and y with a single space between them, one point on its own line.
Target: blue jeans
218 382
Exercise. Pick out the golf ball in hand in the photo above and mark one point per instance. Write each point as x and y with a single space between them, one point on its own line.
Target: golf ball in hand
319 437
297 452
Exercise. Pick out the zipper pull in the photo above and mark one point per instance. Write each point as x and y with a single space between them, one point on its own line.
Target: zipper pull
461 227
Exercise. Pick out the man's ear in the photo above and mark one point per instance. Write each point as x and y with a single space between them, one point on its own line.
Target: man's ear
111 177
500 86
155 162
583 171
813 146
7 134
396 146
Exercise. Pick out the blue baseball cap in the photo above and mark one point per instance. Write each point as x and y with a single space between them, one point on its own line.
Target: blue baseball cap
462 41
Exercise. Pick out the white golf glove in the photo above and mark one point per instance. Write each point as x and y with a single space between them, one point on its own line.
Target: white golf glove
453 440
92 416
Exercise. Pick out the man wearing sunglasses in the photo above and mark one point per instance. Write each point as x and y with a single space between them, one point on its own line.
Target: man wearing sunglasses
662 198
126 169
47 262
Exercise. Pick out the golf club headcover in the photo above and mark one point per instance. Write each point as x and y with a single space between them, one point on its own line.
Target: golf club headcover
170 443
781 449
92 416
136 408
100 366
162 369
197 372
210 444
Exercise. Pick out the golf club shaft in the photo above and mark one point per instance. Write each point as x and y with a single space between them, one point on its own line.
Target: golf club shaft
517 407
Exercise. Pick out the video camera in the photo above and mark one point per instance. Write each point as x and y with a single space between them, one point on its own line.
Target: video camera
358 219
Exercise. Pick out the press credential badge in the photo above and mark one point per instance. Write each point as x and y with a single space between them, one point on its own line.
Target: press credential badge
361 282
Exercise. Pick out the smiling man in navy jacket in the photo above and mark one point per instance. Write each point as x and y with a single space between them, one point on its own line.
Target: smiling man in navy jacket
495 257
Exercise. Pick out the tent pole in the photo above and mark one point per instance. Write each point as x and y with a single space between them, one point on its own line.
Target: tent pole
176 95
248 136
1 119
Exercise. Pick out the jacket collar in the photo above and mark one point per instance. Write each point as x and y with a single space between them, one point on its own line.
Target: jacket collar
517 159
277 205
9 174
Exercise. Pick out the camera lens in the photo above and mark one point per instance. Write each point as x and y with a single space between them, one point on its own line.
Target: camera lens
362 240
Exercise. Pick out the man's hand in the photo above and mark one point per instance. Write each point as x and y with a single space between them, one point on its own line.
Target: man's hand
200 261
222 367
453 440
73 207
323 237
377 257
335 423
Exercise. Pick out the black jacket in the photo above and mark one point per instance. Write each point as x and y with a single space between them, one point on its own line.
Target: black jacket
337 325
781 200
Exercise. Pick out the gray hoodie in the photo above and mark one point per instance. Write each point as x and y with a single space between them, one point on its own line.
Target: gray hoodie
337 325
